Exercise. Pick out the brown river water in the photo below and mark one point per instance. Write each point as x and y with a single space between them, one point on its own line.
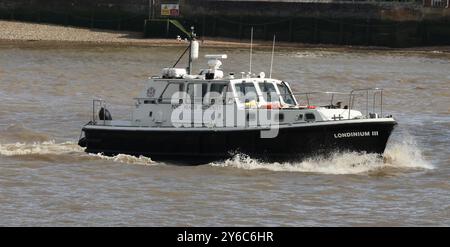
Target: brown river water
47 180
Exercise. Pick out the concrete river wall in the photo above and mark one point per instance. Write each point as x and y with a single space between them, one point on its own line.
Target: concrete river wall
372 23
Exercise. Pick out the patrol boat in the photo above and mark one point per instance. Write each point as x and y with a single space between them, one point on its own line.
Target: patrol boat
208 116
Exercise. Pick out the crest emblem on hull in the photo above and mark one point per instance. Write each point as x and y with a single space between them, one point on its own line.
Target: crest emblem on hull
151 92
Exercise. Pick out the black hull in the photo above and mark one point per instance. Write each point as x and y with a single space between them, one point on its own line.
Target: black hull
199 146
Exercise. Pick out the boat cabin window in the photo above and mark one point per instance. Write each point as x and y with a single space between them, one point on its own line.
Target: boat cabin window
218 88
309 117
269 92
197 92
217 93
286 94
169 92
246 92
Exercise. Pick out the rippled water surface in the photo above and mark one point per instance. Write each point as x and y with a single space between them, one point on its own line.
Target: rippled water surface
46 179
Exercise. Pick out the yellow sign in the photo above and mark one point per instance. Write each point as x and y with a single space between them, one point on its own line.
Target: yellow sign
170 9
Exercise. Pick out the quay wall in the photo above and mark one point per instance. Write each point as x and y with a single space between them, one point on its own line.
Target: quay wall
372 23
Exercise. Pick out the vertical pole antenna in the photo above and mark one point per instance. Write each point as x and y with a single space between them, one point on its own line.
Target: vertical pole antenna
192 38
251 49
271 59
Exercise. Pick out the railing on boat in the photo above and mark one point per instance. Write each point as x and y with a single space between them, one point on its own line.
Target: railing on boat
374 91
351 98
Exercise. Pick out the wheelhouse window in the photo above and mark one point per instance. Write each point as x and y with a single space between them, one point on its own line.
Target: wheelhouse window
218 88
286 94
197 92
246 92
269 92
217 93
169 92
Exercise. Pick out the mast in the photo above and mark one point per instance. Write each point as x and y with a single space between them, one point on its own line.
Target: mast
271 58
191 44
193 50
251 50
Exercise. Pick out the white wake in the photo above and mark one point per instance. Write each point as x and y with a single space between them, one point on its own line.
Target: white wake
40 148
397 156
65 151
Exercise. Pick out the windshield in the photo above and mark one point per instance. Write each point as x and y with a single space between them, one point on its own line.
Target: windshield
268 92
286 94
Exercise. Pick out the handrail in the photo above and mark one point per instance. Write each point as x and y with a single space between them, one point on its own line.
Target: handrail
160 100
319 92
350 105
352 94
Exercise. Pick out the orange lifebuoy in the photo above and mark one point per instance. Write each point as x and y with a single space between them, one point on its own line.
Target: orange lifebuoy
271 105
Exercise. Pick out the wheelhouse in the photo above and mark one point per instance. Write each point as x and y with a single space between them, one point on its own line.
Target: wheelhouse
254 92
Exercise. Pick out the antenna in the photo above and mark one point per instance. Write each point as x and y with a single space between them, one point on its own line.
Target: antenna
251 49
271 59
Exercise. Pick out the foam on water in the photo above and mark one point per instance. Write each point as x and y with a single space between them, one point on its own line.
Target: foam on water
405 154
397 156
63 152
40 148
124 158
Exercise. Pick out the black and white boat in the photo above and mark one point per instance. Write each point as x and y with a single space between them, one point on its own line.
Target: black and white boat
209 116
